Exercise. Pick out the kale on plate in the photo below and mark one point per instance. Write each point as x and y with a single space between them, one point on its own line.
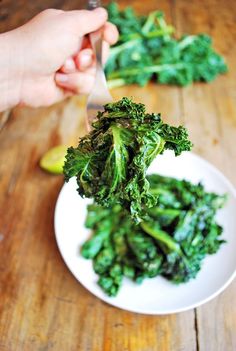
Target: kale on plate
110 162
148 50
172 241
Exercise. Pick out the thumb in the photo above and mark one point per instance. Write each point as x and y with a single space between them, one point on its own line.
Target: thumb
85 22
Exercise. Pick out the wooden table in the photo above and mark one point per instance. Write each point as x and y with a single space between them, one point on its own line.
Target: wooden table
42 306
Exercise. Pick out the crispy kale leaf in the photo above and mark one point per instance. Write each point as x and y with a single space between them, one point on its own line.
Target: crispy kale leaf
147 50
172 241
110 163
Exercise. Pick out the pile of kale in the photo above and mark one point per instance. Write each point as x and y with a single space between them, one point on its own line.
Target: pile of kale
172 241
143 226
148 50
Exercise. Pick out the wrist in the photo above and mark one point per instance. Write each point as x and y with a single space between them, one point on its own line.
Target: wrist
11 69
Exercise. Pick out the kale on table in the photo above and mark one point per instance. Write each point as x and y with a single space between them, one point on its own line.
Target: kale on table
148 50
172 241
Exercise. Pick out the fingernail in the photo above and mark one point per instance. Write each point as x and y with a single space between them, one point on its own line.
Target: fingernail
69 65
85 60
61 78
101 11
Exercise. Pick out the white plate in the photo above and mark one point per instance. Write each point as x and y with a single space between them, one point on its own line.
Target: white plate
156 295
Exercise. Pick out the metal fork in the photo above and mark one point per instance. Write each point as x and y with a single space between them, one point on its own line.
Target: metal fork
100 94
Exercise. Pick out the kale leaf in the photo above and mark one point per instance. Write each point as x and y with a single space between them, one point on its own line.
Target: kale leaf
172 241
148 50
110 162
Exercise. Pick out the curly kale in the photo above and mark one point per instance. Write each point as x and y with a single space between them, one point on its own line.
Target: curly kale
110 162
147 50
172 241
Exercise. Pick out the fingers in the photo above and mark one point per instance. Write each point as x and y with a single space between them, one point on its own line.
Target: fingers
69 66
78 82
77 73
105 52
83 22
84 59
110 33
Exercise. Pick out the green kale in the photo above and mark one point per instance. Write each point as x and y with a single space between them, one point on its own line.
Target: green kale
148 50
172 241
110 162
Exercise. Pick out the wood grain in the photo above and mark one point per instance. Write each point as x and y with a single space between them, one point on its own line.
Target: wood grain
210 115
42 307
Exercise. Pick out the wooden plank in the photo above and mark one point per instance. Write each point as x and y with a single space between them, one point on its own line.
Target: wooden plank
210 115
42 306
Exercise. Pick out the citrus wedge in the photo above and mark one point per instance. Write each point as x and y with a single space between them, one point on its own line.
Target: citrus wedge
53 160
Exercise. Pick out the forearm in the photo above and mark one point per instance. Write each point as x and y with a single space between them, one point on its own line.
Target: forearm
11 69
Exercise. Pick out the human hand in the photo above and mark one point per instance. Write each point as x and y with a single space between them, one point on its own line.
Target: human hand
50 57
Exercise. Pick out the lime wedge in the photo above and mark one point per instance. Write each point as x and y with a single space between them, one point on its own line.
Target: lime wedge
53 160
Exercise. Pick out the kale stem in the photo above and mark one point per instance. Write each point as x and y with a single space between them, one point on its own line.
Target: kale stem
129 44
164 27
149 22
115 83
148 69
160 32
132 39
186 41
138 36
161 236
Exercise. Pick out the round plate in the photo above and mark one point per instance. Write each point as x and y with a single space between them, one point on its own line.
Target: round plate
156 295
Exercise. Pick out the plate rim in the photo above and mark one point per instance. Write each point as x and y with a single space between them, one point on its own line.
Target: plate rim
108 300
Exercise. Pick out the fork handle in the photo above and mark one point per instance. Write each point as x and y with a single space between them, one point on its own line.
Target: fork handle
93 4
96 38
